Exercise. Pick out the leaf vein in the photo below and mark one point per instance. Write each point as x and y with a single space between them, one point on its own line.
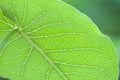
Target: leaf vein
45 56
25 62
41 15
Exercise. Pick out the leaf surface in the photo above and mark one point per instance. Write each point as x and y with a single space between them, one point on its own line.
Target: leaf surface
50 40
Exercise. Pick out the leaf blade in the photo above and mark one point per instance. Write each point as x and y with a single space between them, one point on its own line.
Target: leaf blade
62 42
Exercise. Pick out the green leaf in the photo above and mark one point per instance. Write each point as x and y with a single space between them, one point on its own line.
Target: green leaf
105 13
51 40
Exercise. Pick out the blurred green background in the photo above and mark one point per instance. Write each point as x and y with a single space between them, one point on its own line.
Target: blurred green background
105 14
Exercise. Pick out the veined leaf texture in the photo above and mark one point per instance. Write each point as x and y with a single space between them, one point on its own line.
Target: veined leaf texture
51 40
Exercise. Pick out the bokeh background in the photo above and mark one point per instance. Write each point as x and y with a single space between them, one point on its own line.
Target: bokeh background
105 14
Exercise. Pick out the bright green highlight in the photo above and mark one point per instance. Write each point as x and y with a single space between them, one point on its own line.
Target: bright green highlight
50 40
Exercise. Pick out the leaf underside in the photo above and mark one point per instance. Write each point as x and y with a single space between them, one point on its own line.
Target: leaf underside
50 40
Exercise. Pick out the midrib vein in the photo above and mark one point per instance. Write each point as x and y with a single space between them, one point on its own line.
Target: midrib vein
44 55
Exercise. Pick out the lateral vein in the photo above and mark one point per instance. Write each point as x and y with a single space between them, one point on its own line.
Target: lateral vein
44 55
